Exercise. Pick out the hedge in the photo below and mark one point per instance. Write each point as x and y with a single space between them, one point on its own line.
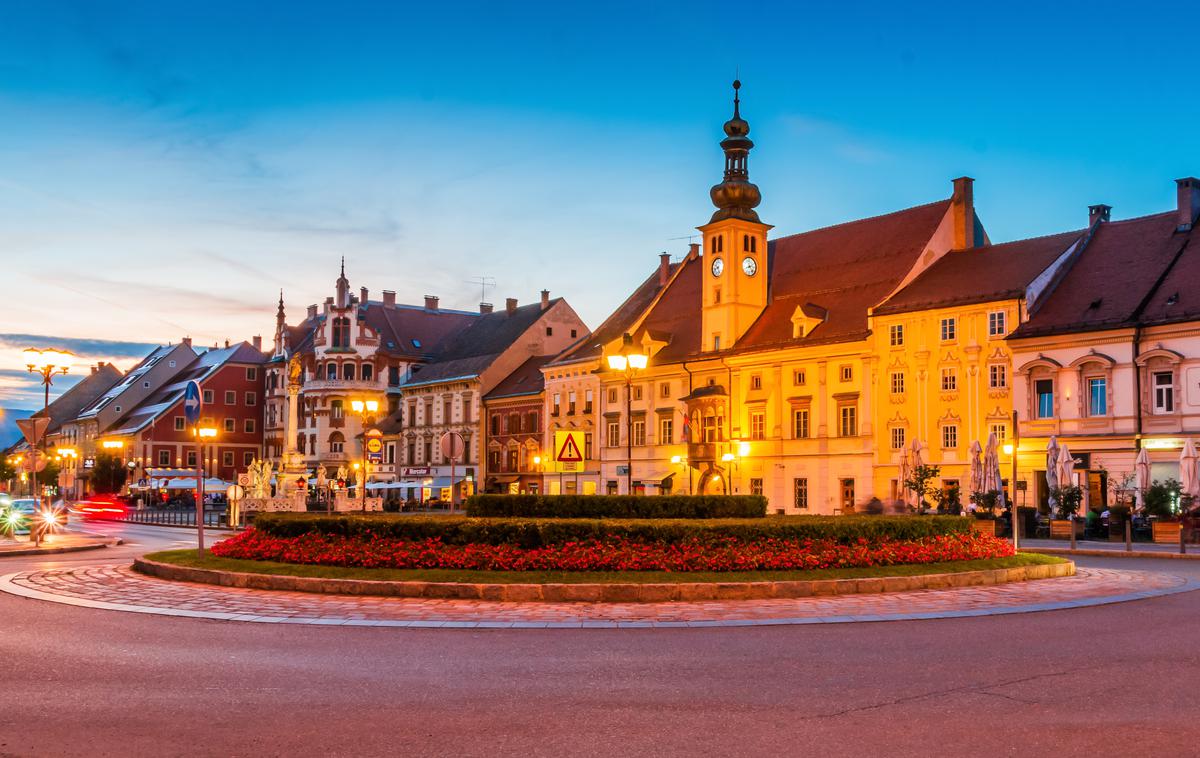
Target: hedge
618 506
532 533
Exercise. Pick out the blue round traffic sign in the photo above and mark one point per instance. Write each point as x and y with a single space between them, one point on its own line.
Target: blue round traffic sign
193 402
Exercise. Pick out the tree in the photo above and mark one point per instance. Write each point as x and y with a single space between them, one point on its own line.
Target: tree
108 475
8 472
48 477
918 483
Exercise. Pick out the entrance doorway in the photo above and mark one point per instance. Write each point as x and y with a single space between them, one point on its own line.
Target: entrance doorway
847 495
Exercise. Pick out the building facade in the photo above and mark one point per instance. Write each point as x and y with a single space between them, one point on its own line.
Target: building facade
518 459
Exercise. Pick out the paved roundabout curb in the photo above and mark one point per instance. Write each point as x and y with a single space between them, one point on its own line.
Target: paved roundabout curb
603 593
119 588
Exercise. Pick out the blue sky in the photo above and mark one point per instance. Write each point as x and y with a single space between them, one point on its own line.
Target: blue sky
167 167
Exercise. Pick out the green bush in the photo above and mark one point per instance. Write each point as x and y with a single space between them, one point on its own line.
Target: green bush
526 532
617 506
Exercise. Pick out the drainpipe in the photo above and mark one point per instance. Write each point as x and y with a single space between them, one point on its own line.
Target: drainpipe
1137 387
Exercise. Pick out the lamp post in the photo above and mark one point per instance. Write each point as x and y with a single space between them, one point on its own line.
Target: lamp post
118 445
365 409
682 461
47 364
202 433
68 455
629 363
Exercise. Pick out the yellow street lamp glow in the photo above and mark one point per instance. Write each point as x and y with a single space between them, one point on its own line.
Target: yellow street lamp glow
618 362
370 406
638 361
537 460
356 467
49 358
1008 448
207 432
112 444
728 457
743 449
677 459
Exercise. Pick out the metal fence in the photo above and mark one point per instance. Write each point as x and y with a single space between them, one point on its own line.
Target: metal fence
173 517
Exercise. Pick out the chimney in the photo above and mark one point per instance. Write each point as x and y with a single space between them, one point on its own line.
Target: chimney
389 298
431 302
256 340
1098 213
312 312
1189 201
962 205
485 308
693 251
510 305
545 299
226 343
97 367
187 341
362 295
664 268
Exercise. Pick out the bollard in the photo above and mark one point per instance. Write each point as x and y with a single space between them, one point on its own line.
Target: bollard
1182 544
1072 531
1129 535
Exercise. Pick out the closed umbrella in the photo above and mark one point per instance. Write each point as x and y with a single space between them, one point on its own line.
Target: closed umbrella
1188 481
1141 472
917 447
991 466
905 474
1052 471
976 450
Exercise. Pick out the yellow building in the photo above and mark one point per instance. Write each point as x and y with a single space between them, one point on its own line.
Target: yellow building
944 371
762 362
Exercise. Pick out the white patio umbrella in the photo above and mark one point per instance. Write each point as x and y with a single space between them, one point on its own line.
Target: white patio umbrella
1188 481
1066 466
975 451
917 448
1141 473
905 473
991 465
1052 471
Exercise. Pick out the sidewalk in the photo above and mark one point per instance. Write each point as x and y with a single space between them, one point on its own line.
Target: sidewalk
66 542
1110 549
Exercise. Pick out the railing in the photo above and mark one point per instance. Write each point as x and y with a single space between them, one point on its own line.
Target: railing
213 517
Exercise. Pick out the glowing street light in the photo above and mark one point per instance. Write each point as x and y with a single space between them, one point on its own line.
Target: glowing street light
628 362
47 364
365 409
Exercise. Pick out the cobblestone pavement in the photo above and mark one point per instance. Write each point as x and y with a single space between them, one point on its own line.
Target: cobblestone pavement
121 589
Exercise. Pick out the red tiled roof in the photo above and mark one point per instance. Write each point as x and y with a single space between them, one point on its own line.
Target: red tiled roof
527 379
618 322
839 271
1178 297
398 327
1110 279
981 275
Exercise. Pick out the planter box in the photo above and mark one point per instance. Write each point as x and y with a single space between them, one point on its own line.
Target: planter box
1166 532
985 526
1060 529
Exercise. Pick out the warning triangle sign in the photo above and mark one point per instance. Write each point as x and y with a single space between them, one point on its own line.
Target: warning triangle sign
569 451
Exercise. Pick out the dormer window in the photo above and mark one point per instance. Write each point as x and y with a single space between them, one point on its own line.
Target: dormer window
341 332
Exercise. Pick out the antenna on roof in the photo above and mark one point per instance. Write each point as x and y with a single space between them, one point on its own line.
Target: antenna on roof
484 282
688 237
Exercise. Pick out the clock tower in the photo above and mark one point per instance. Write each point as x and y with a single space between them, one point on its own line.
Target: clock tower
735 244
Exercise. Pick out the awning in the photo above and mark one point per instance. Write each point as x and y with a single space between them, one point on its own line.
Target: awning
500 479
656 482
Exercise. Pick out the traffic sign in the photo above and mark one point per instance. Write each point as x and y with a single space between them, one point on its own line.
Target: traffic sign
568 451
452 445
193 402
235 492
33 428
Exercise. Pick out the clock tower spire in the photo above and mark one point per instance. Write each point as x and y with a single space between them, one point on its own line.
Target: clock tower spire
735 243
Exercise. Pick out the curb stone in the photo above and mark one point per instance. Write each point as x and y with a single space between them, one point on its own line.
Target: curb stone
602 593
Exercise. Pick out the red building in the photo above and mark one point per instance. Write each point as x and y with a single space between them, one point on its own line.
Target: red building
513 413
231 379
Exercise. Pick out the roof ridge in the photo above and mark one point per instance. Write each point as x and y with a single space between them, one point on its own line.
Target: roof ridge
863 220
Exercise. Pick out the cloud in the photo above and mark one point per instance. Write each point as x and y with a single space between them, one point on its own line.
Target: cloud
18 389
80 346
836 137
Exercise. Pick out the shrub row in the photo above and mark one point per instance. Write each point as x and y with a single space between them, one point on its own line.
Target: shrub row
532 533
617 506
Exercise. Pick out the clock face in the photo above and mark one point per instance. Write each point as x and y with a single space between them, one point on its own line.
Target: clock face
749 265
718 266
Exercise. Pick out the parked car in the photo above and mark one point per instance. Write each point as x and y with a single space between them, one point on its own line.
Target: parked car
20 513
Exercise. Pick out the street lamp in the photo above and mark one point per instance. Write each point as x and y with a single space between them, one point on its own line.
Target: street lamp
365 409
682 462
118 445
47 364
629 363
66 455
202 433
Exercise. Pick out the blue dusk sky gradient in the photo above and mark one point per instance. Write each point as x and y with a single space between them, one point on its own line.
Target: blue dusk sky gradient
167 167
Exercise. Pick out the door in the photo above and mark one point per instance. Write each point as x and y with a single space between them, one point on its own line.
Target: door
847 495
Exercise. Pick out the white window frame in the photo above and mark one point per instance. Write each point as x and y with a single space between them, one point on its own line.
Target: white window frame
949 436
997 323
949 329
1163 392
896 335
949 379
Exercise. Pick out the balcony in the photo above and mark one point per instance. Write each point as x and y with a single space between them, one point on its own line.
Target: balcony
704 452
342 385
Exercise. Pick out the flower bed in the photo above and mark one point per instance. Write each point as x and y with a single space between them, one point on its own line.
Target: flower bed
618 506
611 553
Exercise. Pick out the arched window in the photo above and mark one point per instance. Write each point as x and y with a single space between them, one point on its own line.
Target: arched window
367 372
347 370
341 332
337 442
746 242
331 370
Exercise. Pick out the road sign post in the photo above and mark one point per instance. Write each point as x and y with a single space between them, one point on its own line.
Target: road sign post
34 430
193 404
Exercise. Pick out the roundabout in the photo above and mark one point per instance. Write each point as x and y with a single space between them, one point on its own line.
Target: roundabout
119 588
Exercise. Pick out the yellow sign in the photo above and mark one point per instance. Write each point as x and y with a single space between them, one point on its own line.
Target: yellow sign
374 445
568 451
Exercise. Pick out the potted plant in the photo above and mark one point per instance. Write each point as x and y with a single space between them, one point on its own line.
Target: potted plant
1117 516
1067 501
1160 503
949 501
985 512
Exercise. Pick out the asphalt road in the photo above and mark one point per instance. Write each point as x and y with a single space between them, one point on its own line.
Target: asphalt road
1110 680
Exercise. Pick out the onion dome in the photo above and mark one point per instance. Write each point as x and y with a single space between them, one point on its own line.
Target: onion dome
736 197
